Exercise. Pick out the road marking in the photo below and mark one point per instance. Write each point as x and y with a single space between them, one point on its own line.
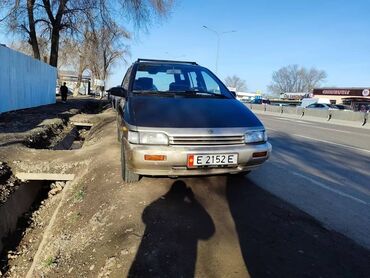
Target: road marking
322 185
332 143
314 124
329 188
319 127
320 140
294 120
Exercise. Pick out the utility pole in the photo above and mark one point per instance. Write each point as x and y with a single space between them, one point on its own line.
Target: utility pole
218 34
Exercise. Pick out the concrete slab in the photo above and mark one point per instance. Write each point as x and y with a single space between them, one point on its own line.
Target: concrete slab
81 124
45 176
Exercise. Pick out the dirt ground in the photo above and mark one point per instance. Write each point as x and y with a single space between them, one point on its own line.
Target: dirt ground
97 226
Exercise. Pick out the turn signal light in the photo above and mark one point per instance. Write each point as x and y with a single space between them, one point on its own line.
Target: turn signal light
155 157
190 160
260 154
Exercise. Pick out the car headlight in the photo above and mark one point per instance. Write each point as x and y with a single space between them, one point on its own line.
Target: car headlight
147 138
255 136
133 137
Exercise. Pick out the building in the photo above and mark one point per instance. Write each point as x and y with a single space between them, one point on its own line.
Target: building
244 96
357 98
71 78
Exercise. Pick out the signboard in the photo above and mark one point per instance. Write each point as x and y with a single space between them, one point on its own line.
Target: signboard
357 92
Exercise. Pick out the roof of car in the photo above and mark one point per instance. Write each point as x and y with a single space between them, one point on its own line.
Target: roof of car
141 60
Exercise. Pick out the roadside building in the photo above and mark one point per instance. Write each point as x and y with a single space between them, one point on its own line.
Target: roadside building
357 98
244 96
73 80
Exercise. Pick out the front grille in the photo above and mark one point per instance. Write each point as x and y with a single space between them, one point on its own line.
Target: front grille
207 140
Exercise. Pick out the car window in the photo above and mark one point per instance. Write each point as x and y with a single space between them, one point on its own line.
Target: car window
211 85
176 78
159 81
126 79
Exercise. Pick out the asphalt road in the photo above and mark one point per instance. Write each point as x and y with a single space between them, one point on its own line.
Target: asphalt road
322 169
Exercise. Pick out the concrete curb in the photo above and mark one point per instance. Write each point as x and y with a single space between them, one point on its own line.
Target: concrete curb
355 119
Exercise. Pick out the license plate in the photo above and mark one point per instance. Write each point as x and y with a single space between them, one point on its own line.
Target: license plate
212 160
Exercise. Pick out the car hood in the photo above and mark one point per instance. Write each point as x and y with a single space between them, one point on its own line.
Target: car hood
169 112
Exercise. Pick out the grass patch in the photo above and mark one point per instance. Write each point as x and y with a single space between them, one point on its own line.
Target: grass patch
75 217
79 195
49 261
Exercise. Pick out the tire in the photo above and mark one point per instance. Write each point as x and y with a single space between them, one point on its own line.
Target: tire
127 175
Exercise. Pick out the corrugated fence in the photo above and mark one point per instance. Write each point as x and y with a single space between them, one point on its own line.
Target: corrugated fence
24 82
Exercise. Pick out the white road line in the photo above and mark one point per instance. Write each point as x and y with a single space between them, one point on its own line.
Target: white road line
329 188
332 143
322 141
319 127
294 120
338 130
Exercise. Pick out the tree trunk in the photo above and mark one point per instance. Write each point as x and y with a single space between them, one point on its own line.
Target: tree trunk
54 47
32 29
81 68
56 28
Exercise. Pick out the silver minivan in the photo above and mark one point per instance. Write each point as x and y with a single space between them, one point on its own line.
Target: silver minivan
178 119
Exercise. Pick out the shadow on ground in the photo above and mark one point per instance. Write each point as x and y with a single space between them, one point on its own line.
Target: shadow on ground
174 224
278 240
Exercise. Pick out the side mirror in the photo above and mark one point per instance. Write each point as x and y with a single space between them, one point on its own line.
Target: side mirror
233 93
117 91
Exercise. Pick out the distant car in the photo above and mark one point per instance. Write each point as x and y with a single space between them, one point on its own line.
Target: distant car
260 101
322 106
308 101
343 107
178 119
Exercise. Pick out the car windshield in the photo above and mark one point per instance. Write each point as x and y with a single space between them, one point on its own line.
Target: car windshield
177 79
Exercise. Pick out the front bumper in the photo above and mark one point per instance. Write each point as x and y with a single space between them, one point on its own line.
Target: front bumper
176 162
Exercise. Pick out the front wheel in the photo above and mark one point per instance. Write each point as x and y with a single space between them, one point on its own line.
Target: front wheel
127 175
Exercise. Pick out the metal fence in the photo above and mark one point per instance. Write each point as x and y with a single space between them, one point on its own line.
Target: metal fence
24 82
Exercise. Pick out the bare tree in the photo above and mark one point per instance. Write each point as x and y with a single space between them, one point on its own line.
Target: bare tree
293 79
55 18
20 19
25 47
236 82
106 47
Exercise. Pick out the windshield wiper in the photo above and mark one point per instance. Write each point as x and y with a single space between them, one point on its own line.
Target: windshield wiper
199 93
153 93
